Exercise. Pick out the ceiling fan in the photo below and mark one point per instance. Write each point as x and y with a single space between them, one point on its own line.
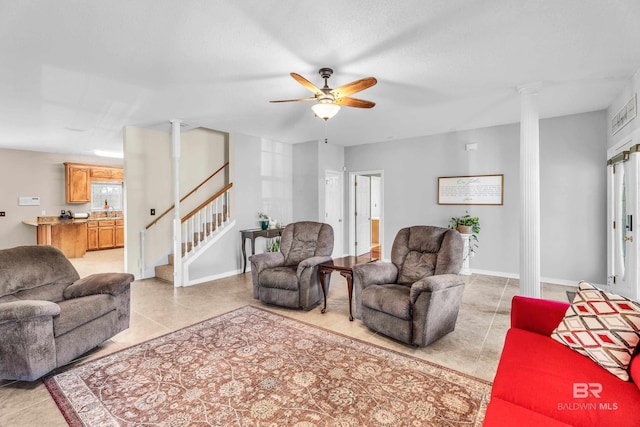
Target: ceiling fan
330 100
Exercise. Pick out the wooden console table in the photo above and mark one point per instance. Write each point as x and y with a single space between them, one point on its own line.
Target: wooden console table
345 266
252 234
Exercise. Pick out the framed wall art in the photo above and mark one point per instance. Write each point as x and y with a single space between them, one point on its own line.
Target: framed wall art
471 190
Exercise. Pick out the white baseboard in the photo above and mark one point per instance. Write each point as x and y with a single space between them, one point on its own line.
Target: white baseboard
213 277
551 280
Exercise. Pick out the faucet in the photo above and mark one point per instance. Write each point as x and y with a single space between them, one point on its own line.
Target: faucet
111 208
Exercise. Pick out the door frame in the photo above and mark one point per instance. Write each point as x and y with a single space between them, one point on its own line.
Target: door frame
351 225
629 284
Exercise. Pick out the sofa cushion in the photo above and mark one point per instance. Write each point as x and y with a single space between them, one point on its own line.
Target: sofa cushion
546 377
279 278
501 413
78 311
602 326
391 299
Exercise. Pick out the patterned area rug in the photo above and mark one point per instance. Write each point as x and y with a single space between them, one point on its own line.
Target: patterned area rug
251 367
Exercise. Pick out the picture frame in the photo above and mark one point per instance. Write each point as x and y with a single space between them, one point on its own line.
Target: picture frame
471 190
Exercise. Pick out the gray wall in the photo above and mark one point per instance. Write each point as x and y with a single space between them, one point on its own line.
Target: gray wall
310 161
572 191
261 175
305 181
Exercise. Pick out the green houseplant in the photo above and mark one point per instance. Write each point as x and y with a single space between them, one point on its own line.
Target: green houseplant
274 244
467 224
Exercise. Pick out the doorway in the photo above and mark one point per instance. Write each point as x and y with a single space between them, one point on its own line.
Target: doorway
333 211
366 214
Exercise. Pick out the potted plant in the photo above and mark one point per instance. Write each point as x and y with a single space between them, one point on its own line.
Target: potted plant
264 220
467 224
274 244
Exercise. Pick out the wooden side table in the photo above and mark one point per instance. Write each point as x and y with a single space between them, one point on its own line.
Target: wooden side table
252 234
345 266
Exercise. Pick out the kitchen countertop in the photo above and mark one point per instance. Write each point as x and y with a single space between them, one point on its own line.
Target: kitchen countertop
52 220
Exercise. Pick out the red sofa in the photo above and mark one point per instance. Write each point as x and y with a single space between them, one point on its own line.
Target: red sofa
541 382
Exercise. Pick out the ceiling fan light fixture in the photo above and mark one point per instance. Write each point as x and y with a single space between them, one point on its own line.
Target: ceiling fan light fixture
325 110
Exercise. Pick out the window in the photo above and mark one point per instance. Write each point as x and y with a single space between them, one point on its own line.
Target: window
109 193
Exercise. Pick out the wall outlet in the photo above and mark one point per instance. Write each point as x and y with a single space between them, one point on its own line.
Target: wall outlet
2 213
153 211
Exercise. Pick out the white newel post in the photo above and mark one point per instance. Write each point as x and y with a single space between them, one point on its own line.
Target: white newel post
177 223
465 270
529 191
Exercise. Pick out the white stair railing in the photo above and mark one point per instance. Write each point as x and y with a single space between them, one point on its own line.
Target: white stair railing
204 222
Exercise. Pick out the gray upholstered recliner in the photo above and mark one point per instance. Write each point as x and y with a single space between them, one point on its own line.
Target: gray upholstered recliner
49 316
414 298
290 277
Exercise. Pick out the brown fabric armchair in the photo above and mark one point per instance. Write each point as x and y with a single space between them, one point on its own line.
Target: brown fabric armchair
49 316
415 298
289 277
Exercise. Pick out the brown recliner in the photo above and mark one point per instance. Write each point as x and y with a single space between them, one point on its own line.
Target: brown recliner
49 316
415 298
289 277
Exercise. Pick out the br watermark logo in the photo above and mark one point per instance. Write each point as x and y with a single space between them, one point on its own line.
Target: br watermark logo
584 390
587 391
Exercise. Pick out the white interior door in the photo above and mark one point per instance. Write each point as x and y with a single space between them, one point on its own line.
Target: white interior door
333 209
363 214
623 245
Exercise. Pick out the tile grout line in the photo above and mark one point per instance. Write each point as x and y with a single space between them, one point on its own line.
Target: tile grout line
486 335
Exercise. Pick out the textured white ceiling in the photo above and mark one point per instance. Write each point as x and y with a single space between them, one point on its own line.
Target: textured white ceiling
73 73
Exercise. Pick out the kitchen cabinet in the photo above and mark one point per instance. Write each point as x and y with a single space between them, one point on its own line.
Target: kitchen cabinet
92 235
68 236
105 234
119 233
79 176
107 174
78 183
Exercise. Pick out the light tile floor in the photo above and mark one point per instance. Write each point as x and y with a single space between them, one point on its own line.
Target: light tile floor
158 308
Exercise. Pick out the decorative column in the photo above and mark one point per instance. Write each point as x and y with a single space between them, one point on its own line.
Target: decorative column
529 191
465 270
177 223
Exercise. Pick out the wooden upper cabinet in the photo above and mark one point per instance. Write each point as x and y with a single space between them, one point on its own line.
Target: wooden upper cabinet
78 178
107 174
78 183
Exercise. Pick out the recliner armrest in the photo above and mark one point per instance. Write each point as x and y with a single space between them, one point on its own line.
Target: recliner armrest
27 309
375 273
101 283
266 260
435 283
311 262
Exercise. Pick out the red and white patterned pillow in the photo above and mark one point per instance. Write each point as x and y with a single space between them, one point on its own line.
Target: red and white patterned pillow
602 326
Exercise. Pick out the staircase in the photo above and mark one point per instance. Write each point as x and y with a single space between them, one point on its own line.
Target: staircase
201 228
165 272
198 230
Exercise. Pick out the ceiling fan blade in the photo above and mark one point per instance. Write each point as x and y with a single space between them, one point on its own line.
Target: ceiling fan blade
295 100
353 87
354 102
306 83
